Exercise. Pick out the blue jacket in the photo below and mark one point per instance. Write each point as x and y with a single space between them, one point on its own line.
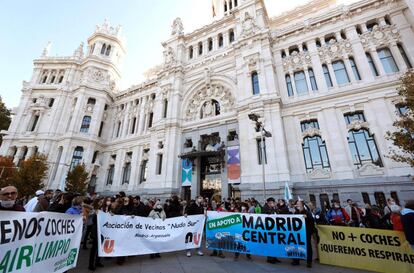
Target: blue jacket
74 210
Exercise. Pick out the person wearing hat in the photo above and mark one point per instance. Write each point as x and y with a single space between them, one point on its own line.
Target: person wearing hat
43 202
29 207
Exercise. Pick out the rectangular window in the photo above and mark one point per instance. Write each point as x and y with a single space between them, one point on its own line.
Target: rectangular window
150 118
126 173
313 123
118 130
300 82
255 83
387 60
100 129
134 121
159 164
34 123
144 171
312 79
86 122
260 150
110 177
354 116
164 112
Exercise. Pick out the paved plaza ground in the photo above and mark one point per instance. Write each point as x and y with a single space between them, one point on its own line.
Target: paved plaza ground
177 262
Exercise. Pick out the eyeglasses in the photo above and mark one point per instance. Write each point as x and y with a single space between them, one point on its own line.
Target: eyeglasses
9 193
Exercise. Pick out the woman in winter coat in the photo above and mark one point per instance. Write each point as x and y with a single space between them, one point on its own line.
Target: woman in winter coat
157 213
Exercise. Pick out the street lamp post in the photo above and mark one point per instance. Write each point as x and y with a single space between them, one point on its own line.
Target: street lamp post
263 134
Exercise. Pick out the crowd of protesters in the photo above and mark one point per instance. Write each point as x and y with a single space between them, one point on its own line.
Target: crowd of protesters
392 216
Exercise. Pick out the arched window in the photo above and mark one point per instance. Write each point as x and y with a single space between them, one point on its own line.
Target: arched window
210 44
225 6
315 153
108 50
60 79
354 69
200 48
165 108
210 108
220 40
363 147
255 83
371 64
327 76
289 85
103 49
231 35
230 5
404 55
300 82
312 79
53 79
235 3
77 157
340 72
86 122
44 79
190 52
387 60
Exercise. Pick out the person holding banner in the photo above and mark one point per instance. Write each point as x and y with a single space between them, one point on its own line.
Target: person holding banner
269 208
195 208
310 228
8 197
157 213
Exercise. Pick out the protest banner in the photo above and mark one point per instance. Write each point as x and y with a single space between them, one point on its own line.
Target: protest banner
39 242
273 235
364 248
132 235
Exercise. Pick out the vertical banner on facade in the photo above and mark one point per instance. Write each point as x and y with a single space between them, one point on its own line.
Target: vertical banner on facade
39 242
126 235
233 164
364 248
186 172
273 235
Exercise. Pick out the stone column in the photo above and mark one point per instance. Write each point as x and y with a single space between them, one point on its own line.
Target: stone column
292 78
317 65
402 66
332 74
359 55
308 83
349 70
18 155
97 116
142 115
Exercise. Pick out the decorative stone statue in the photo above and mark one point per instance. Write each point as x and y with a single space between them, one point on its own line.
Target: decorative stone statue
249 25
46 49
169 57
177 27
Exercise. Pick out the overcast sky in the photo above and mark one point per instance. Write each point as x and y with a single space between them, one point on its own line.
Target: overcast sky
26 26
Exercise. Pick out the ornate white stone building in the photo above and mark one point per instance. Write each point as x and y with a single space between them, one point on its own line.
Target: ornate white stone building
322 78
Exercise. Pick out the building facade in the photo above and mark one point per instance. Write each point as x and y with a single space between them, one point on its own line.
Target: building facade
322 79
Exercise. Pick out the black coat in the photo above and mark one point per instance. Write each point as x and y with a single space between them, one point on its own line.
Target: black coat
194 209
140 210
407 220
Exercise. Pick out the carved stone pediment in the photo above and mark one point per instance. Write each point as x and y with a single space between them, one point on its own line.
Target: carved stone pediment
249 26
311 132
335 50
296 60
380 36
357 125
370 169
213 92
319 174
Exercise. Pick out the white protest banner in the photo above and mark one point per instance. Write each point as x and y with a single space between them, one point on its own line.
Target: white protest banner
128 235
39 242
